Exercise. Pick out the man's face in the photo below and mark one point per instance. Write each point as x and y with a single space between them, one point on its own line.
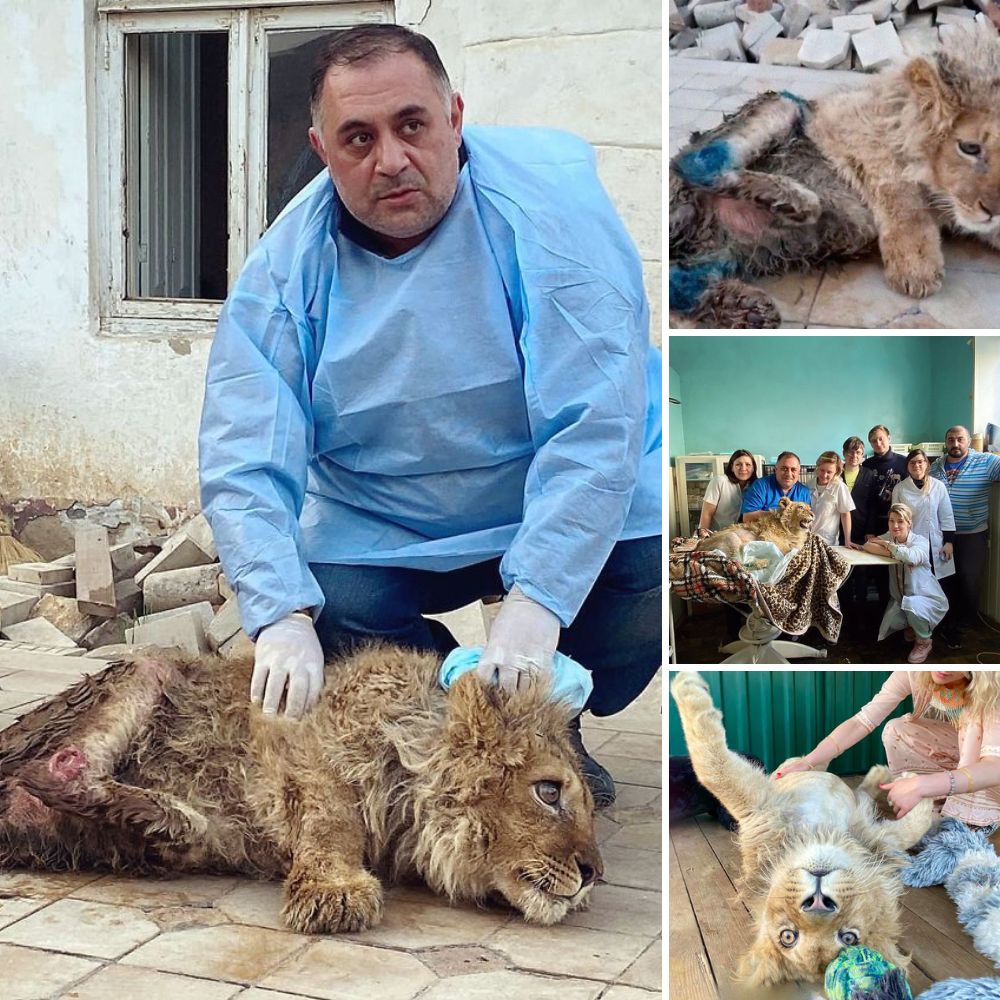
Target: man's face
787 473
957 444
391 145
879 442
854 456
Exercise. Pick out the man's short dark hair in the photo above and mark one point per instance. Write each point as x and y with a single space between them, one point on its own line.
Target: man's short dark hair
368 43
788 454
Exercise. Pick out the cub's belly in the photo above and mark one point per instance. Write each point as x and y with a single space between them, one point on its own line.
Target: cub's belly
815 799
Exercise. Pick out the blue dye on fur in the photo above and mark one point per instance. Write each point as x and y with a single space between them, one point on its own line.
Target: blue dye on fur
702 167
687 284
800 101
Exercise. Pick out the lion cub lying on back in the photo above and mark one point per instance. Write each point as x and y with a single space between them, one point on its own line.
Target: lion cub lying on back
820 869
787 527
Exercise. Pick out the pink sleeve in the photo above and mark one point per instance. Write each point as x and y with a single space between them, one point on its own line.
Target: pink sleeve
894 690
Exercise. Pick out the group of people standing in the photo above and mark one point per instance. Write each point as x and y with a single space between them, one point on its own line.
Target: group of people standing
930 517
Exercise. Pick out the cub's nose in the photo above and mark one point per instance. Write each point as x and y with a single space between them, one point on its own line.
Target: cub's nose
591 870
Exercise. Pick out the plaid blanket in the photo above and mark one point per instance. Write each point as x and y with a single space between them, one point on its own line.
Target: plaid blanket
806 594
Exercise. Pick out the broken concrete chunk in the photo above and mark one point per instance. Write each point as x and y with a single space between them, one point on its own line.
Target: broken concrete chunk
878 46
795 19
40 573
128 598
853 22
64 614
184 631
684 39
824 49
109 631
711 15
17 587
781 52
37 631
95 578
240 645
191 546
225 591
179 587
15 608
954 15
726 36
759 32
225 624
879 9
698 52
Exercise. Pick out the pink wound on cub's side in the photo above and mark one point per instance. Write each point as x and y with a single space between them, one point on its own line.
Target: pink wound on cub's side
742 217
67 764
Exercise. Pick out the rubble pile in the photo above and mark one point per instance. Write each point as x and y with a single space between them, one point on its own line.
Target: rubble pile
821 34
103 600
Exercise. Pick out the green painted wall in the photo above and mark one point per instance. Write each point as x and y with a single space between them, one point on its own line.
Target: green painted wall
780 714
676 417
808 394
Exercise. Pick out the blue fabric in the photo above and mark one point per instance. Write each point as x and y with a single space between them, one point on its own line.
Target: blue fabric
570 682
765 493
492 392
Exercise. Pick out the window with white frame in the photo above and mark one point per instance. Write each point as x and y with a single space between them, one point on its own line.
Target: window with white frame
202 142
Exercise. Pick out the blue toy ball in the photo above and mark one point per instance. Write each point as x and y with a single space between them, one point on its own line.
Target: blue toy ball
859 973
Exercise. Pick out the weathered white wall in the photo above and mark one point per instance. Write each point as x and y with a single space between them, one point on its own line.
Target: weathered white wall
93 417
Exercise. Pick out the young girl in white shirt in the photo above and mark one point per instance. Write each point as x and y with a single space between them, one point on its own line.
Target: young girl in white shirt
831 501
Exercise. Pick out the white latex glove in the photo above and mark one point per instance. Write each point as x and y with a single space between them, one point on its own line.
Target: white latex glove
287 652
521 643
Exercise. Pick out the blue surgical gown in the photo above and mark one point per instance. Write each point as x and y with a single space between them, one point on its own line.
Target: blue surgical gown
490 392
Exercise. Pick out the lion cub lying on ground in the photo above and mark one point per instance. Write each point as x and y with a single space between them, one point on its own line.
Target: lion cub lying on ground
821 870
787 527
161 764
787 184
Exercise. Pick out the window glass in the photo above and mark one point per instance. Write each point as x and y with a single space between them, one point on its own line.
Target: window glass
176 165
291 163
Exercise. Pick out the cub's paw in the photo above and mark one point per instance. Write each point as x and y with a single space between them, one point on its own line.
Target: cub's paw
796 207
689 685
317 904
916 276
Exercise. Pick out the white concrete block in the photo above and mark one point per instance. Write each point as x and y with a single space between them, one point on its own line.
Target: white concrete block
878 46
179 587
824 49
17 587
726 36
38 631
224 625
781 52
954 15
852 23
40 573
699 52
15 608
185 632
203 611
795 18
759 32
711 15
879 9
919 40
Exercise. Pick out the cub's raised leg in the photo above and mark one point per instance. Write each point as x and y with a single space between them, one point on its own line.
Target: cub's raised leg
736 783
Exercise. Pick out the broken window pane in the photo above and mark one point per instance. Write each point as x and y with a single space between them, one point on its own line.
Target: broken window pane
176 165
291 163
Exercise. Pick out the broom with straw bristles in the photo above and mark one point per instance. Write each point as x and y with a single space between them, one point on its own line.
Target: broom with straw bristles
11 550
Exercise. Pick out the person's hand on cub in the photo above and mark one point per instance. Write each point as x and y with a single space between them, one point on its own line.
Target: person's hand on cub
905 793
791 765
288 653
521 645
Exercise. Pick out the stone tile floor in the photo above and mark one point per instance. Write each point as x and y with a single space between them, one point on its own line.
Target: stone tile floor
85 936
852 295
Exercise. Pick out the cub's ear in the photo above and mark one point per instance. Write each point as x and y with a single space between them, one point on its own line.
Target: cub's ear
783 503
934 97
477 724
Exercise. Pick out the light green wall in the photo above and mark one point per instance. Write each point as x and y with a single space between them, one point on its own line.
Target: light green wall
807 394
676 417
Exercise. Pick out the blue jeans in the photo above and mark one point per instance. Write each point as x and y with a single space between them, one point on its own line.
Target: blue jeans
617 634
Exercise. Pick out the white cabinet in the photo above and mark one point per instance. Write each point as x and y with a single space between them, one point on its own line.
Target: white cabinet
692 474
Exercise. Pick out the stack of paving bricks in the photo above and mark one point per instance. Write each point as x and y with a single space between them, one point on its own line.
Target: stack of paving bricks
104 600
820 34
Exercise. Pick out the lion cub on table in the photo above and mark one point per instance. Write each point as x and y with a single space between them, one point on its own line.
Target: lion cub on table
821 870
787 527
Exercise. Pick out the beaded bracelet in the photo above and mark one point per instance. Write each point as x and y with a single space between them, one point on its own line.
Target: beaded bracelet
951 782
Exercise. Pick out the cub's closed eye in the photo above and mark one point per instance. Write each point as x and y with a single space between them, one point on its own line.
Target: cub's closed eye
970 148
548 792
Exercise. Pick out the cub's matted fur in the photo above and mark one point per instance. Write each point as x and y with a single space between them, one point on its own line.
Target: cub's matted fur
821 871
787 527
786 184
161 764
